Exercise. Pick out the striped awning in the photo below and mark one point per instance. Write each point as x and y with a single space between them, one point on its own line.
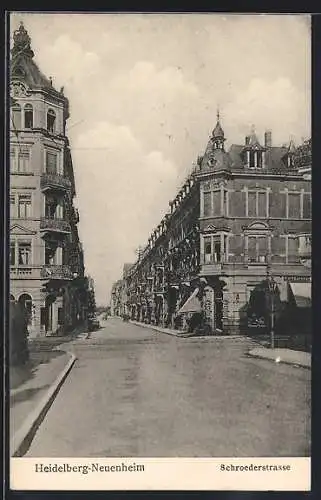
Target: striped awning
192 304
302 294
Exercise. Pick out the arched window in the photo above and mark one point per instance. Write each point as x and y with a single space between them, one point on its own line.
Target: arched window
51 120
26 301
16 116
12 298
28 109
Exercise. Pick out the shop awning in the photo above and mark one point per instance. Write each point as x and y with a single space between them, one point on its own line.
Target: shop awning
192 304
302 294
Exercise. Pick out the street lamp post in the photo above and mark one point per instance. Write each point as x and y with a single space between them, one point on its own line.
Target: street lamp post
272 287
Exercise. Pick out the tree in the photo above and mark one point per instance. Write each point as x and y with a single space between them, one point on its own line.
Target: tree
18 335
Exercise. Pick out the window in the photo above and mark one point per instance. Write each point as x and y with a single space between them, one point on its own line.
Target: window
277 207
20 159
278 249
217 253
294 206
237 204
307 206
261 205
217 202
207 250
51 162
28 109
257 248
293 249
16 117
24 206
251 210
50 207
207 204
12 253
51 119
12 205
50 254
213 251
257 204
24 160
24 253
225 203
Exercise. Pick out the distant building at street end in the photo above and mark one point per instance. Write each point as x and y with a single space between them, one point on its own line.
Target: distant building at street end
119 305
46 256
240 217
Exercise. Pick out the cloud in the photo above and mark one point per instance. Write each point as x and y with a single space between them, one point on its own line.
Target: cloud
126 189
277 105
69 62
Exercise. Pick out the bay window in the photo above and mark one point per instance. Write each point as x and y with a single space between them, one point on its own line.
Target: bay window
257 248
215 248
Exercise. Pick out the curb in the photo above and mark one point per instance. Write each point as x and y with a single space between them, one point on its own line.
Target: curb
185 335
284 362
21 441
156 329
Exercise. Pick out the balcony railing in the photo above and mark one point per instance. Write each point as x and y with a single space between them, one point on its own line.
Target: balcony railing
54 181
56 225
56 272
22 271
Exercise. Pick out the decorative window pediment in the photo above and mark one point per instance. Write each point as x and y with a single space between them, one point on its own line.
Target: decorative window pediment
16 229
210 229
257 226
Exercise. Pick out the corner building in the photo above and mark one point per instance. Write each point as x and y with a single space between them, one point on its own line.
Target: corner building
254 205
241 216
46 256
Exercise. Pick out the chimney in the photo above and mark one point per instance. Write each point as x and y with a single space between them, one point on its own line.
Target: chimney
268 139
247 140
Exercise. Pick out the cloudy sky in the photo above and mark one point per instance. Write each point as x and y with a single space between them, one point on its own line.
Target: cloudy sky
143 92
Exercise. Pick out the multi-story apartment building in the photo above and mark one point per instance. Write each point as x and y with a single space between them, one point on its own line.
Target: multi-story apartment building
119 305
238 220
46 256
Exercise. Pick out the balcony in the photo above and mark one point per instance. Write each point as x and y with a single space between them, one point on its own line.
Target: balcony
56 272
24 271
49 182
54 225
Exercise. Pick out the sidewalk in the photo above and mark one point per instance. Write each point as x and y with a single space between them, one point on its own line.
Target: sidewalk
34 386
288 356
183 334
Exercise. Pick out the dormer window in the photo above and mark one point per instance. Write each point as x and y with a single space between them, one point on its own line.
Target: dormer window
254 158
51 120
28 112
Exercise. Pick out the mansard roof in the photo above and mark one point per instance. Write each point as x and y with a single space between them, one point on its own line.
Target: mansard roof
24 68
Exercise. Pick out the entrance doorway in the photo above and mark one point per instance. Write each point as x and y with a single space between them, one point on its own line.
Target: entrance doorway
48 314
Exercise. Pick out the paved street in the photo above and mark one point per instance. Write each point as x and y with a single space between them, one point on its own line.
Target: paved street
136 392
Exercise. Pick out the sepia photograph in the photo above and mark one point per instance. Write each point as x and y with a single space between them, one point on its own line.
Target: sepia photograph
160 242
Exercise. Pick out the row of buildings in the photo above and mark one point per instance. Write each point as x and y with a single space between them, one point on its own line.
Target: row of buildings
242 218
47 273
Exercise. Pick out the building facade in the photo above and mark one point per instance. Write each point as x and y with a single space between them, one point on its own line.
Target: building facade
242 216
46 256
